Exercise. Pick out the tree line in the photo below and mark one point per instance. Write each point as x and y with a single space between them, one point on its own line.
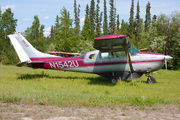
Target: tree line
160 33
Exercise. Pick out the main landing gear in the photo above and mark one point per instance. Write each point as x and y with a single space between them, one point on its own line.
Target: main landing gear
150 79
114 78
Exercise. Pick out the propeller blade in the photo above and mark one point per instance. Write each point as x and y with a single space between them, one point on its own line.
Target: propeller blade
166 58
166 65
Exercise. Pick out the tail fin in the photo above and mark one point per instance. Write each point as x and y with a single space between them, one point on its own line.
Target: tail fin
24 49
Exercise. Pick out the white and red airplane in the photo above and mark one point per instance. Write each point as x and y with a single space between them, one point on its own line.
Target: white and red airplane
114 58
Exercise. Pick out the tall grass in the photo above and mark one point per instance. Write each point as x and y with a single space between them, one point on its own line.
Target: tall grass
81 89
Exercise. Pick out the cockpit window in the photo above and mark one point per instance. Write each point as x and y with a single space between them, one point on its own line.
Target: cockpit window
104 55
92 56
81 55
117 54
133 51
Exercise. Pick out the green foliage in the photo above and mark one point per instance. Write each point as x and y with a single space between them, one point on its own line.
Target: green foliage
65 37
7 26
169 27
35 35
87 32
9 55
124 28
158 44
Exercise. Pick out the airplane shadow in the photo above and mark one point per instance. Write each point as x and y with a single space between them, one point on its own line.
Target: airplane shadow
92 81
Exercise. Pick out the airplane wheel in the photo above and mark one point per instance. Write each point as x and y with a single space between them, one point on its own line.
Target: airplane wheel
151 80
113 79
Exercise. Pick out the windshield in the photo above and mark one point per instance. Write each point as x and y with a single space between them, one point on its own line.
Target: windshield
133 50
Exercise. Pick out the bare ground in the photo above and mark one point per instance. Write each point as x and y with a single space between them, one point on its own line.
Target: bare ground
12 111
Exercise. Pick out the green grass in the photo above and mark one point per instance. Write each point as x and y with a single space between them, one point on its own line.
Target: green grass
26 85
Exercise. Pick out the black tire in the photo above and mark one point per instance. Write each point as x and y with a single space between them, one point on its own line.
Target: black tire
151 80
113 79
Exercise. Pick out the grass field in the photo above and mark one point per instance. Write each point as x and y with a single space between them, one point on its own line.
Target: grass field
27 85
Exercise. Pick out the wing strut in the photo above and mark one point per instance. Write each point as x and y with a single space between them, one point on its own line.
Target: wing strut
129 60
128 57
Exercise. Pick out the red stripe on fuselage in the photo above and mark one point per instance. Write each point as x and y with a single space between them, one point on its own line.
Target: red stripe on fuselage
147 53
71 62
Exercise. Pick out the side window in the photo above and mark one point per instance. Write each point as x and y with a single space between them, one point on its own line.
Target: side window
117 54
104 55
92 56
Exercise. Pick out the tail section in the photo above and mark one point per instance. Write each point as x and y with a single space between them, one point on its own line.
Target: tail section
25 50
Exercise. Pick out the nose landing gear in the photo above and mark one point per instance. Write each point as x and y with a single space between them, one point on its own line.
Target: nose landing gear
150 79
113 79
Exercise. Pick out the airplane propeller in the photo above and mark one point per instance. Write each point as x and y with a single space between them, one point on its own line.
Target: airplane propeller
166 58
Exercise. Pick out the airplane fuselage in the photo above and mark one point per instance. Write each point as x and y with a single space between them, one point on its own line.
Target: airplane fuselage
92 62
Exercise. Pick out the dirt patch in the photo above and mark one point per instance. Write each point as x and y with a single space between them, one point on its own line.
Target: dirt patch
13 111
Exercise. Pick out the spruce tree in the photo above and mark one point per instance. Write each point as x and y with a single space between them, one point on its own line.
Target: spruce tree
112 17
154 20
100 22
124 27
131 21
35 28
65 38
76 19
52 33
118 24
35 35
79 6
148 17
87 30
1 29
41 31
138 28
97 21
0 12
92 14
105 22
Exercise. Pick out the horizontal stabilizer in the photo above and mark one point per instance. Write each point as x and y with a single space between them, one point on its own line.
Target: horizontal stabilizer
22 63
29 64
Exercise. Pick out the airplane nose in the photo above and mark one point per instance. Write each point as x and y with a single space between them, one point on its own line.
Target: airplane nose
167 57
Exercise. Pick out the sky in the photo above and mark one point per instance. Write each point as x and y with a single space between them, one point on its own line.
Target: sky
47 10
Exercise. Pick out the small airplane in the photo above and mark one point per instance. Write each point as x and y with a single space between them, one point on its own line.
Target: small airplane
64 54
114 58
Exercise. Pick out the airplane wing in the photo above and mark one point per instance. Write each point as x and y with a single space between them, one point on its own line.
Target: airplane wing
112 42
